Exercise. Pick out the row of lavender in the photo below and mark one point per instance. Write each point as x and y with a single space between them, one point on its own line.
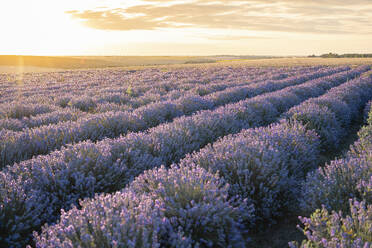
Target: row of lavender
35 190
94 121
137 96
267 165
81 82
133 97
260 172
20 116
57 97
171 91
18 146
345 187
95 92
23 114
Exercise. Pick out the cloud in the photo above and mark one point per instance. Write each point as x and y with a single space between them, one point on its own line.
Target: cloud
302 16
113 20
235 37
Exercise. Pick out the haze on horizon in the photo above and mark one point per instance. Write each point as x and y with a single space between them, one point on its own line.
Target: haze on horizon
185 27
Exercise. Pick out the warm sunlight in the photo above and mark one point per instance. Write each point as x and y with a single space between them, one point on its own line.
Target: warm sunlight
197 27
186 123
42 28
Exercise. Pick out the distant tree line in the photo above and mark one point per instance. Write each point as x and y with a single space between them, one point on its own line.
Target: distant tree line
346 55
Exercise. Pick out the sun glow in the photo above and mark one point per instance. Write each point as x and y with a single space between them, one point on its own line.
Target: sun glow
184 27
42 28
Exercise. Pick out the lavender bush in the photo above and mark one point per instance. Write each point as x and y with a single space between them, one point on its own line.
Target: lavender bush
366 113
349 177
331 114
82 103
334 184
333 230
264 165
331 187
24 110
40 120
364 144
355 95
20 211
120 220
179 207
337 106
320 119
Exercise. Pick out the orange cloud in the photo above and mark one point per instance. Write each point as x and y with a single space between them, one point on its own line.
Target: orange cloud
328 16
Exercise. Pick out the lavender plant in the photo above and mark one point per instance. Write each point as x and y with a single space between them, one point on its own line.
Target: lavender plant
337 106
83 103
364 144
120 220
40 120
334 184
18 111
320 119
333 230
330 115
179 207
366 113
344 178
264 165
331 187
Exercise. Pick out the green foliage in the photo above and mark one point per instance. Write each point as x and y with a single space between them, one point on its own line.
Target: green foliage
129 90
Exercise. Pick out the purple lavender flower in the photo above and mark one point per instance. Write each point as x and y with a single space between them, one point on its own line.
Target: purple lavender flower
332 230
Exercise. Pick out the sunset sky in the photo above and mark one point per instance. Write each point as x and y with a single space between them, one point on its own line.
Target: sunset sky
185 27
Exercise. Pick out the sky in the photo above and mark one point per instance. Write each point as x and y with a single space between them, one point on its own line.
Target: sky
185 27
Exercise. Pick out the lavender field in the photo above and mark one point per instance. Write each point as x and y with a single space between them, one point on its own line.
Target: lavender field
192 156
